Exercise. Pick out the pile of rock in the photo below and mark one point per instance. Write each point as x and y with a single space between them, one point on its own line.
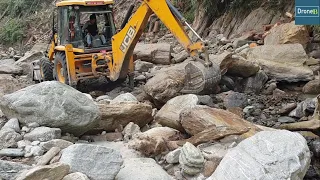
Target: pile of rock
50 130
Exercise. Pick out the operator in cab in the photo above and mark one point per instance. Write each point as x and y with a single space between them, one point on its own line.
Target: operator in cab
91 30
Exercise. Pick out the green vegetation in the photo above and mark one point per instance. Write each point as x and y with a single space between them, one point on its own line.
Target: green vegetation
13 16
12 31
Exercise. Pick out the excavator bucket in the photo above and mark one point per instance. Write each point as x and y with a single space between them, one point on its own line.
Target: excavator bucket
201 78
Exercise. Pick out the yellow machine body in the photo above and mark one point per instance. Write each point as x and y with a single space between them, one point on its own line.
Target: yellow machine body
117 63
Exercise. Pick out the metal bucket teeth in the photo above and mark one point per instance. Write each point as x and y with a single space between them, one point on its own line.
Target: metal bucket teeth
201 79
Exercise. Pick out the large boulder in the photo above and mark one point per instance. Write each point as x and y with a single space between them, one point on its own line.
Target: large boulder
120 114
9 170
97 162
159 53
197 119
169 114
166 84
267 155
52 104
7 66
142 168
223 60
243 68
284 62
288 33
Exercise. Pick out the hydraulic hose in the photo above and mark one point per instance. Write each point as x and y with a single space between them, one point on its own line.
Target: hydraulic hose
126 19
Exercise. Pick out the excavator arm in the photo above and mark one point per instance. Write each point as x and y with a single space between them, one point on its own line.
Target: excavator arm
202 74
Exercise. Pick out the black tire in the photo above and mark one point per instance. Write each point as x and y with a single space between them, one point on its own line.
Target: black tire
46 69
60 67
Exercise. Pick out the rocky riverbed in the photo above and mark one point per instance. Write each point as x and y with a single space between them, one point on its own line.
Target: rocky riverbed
261 123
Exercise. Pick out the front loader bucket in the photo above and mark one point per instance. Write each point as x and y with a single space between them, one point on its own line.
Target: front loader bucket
200 78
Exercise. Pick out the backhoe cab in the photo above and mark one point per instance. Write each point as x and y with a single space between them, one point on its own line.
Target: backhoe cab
75 54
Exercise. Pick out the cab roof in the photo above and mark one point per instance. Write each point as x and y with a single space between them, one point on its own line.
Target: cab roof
84 2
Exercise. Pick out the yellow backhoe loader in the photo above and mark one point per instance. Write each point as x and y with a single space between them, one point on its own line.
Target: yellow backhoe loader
77 54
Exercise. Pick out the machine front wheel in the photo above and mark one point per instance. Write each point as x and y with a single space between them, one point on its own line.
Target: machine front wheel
60 68
46 69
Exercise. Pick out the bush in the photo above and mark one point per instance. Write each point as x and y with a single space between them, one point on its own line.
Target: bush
12 31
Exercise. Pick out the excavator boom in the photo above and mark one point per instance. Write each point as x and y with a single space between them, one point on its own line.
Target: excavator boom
202 75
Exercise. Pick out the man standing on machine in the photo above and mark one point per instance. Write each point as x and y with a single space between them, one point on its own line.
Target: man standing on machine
91 30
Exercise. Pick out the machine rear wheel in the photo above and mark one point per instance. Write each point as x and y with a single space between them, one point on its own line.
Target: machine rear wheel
46 69
60 68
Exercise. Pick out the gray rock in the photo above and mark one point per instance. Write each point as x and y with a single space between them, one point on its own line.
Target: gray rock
97 162
7 66
215 151
104 97
205 100
142 168
33 151
142 66
127 97
173 156
33 125
248 110
12 152
140 78
25 129
62 144
266 155
76 176
191 159
120 146
304 108
23 143
255 83
9 138
183 55
49 172
52 104
9 170
285 62
35 143
235 99
130 130
286 119
13 124
315 148
43 134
